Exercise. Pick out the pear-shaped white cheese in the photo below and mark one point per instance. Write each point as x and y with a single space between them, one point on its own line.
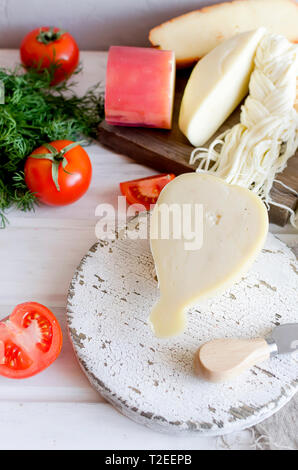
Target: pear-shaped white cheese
218 83
222 228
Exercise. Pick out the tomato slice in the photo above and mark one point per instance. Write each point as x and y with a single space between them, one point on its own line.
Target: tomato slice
30 340
145 191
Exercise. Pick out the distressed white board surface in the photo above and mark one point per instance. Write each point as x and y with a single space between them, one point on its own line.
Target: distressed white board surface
151 380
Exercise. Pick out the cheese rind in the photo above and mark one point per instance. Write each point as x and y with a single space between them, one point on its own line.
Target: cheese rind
218 83
234 229
140 87
195 34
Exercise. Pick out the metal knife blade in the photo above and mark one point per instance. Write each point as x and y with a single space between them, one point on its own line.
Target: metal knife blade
284 339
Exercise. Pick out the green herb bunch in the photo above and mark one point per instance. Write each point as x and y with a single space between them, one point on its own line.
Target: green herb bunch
34 113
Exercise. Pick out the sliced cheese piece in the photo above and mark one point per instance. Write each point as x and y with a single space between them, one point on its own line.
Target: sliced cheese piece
140 87
217 84
234 226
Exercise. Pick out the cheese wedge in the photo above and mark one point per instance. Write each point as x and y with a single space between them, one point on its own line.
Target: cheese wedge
232 227
218 83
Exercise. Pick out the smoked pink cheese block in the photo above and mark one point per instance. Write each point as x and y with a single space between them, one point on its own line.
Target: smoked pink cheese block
140 86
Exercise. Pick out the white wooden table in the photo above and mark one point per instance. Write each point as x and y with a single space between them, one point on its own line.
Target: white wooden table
39 252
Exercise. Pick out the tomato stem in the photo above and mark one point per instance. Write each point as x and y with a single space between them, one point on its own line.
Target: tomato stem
57 157
49 36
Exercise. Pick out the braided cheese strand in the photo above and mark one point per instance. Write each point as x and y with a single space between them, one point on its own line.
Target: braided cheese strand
253 151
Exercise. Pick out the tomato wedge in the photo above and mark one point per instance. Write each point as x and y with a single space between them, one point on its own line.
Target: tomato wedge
145 191
30 340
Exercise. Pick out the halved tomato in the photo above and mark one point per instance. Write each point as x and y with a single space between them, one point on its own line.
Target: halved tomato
145 191
30 340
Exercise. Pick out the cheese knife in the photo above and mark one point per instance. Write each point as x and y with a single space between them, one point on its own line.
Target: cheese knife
223 359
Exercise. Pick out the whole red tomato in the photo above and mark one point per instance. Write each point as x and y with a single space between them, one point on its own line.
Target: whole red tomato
58 173
45 46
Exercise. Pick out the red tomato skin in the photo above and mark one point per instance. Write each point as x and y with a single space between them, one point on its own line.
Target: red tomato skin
47 359
38 175
154 183
64 50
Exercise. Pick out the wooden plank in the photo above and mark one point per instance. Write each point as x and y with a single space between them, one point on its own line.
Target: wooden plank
85 426
169 151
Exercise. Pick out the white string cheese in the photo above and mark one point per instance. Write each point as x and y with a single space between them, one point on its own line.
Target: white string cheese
252 152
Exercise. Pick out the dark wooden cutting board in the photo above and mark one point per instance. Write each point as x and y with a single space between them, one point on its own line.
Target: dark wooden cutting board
169 151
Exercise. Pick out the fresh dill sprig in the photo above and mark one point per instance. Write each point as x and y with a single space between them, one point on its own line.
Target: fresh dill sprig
34 113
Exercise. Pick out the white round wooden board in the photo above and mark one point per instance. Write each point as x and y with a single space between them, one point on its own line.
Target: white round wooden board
151 380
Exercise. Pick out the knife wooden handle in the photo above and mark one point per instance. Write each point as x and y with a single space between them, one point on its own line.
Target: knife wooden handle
222 359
